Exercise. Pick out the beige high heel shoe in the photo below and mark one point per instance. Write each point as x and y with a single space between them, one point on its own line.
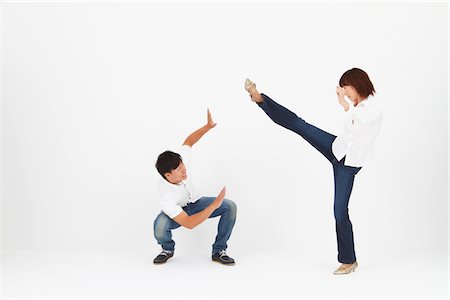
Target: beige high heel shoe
342 270
250 86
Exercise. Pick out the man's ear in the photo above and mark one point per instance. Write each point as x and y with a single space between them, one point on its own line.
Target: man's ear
167 175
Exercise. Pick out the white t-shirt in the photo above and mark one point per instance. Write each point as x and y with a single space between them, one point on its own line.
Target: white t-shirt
172 197
361 129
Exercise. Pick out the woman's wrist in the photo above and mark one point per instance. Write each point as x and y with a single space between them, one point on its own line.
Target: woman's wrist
344 103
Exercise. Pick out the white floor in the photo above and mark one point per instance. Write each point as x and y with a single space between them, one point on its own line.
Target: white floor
262 275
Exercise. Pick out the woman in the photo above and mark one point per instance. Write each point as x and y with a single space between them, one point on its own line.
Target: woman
347 152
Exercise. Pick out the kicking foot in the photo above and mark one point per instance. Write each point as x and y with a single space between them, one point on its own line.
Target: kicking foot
250 87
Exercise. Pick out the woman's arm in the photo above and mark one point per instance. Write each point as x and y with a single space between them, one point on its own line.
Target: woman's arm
341 93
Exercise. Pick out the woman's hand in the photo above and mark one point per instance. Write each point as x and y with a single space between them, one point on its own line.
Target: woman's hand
340 91
341 97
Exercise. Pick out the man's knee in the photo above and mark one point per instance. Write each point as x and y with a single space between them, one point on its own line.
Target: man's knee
230 206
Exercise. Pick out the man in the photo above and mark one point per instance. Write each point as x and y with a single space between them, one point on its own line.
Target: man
182 206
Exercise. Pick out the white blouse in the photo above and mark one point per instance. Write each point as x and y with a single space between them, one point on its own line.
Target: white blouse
361 129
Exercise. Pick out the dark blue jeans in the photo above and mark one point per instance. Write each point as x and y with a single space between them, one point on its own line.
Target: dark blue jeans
343 175
164 225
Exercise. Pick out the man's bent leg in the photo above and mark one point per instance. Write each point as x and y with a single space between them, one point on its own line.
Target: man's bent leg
162 227
227 212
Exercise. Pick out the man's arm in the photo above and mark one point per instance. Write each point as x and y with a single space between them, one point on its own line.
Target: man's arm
197 135
192 221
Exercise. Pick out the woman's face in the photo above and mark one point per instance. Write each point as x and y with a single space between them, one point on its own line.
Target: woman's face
352 94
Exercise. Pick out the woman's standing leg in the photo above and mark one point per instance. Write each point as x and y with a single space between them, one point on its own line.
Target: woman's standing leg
343 184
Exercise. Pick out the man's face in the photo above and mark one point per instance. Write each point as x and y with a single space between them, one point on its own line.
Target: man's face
177 175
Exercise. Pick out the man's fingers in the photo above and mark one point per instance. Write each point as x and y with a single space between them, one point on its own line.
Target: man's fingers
223 191
210 120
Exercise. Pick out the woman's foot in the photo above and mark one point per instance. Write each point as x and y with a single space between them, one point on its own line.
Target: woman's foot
346 269
251 88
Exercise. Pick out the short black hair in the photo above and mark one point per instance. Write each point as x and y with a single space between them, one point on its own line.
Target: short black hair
168 161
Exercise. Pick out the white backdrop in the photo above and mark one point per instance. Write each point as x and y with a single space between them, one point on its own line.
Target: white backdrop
92 93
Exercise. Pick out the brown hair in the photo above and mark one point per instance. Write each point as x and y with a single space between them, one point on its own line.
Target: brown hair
358 79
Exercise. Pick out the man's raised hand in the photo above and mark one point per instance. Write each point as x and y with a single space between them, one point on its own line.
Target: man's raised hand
210 122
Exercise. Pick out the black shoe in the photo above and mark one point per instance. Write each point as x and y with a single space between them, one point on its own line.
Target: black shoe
223 258
163 257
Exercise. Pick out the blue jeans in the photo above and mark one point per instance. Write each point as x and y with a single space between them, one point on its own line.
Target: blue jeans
164 225
343 175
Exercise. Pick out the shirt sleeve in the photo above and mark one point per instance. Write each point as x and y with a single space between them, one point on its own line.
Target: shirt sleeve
169 207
